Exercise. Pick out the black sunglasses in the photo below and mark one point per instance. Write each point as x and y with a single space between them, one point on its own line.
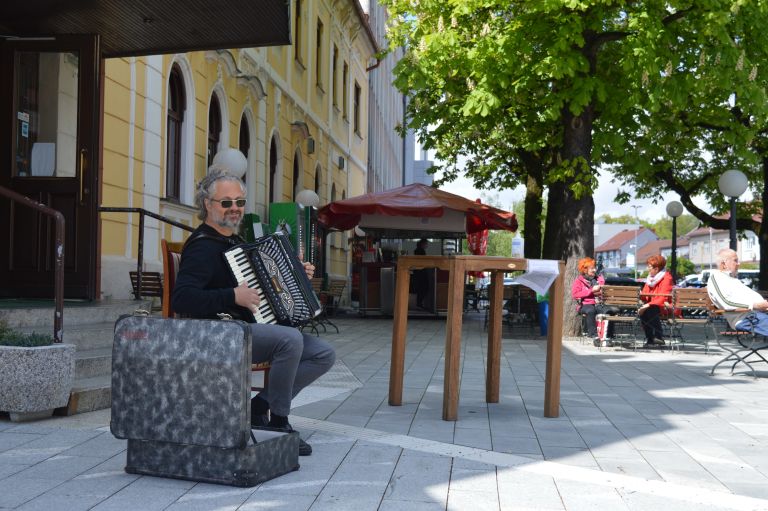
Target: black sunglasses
227 203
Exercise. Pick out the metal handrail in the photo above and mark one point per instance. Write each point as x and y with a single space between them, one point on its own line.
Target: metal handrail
58 273
142 213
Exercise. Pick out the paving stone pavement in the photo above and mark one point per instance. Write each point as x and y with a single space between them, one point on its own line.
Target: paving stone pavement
637 430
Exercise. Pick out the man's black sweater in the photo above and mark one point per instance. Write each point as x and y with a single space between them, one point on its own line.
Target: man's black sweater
204 285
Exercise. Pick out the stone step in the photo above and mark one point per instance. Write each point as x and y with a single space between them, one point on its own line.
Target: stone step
93 362
40 318
88 394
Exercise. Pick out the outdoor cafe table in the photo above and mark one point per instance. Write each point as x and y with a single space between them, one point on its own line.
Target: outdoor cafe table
457 266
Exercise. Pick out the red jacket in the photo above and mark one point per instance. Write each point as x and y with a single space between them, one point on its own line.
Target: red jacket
663 287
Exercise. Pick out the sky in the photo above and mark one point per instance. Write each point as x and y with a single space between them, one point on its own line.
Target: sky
603 197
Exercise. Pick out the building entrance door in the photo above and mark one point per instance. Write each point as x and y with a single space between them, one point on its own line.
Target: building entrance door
49 148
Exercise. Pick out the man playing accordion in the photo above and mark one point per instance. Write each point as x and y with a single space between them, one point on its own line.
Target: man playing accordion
205 287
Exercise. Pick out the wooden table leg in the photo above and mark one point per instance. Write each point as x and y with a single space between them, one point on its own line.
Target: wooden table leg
399 329
554 347
492 375
453 340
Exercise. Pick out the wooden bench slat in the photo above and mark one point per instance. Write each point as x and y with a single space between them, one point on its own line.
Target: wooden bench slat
151 283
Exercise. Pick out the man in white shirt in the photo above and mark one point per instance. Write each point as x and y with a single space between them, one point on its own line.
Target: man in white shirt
730 294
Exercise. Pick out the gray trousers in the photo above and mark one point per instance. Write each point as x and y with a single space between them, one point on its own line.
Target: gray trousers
297 359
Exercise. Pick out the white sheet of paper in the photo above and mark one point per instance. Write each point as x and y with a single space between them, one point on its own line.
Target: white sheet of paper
43 158
539 275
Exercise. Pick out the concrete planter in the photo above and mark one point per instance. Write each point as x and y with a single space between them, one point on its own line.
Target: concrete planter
34 381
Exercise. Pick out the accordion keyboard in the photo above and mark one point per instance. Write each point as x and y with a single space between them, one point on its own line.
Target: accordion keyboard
270 266
243 271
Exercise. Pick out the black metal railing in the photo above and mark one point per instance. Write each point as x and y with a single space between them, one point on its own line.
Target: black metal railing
58 254
142 213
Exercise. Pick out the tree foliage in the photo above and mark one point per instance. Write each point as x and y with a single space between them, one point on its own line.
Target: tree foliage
662 227
685 224
685 266
542 93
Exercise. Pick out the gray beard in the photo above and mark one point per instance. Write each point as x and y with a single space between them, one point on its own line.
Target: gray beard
235 226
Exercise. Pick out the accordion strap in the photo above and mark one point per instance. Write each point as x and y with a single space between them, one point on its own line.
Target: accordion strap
232 241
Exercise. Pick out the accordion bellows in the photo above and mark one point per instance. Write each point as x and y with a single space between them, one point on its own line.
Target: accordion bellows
271 265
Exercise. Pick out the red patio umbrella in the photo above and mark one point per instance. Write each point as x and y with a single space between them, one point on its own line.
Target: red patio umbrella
478 245
415 200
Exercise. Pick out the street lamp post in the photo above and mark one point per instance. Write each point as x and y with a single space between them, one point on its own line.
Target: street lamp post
636 230
674 209
732 184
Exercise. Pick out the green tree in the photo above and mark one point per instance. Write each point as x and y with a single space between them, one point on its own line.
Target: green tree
707 112
685 267
500 243
621 219
540 93
685 224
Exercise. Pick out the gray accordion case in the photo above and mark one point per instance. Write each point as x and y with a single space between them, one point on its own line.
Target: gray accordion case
181 397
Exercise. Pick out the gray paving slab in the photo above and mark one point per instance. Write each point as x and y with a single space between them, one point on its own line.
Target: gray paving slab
273 500
409 505
211 496
146 493
419 478
10 440
637 430
16 490
60 467
48 502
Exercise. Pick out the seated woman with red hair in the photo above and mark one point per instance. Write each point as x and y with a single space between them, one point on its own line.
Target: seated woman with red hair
656 294
586 290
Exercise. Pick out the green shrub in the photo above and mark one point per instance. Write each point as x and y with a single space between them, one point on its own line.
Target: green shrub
10 337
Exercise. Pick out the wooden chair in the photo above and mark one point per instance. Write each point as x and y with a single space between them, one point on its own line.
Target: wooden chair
151 283
322 318
627 300
690 306
330 299
509 302
171 260
335 292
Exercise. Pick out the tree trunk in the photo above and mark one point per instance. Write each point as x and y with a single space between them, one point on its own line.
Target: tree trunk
534 189
577 216
553 229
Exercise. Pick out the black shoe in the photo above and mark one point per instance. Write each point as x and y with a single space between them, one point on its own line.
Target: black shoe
259 420
304 448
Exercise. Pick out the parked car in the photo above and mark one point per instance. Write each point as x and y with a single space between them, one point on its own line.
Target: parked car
621 279
749 277
508 281
693 280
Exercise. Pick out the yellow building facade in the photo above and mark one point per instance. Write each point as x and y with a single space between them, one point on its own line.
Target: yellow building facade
299 114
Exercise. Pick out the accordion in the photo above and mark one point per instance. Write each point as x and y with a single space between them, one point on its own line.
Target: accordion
271 266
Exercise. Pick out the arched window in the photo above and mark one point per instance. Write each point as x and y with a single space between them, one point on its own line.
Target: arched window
272 170
296 172
175 119
245 140
318 180
214 128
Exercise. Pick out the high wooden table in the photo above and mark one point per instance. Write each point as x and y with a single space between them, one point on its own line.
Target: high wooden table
457 266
